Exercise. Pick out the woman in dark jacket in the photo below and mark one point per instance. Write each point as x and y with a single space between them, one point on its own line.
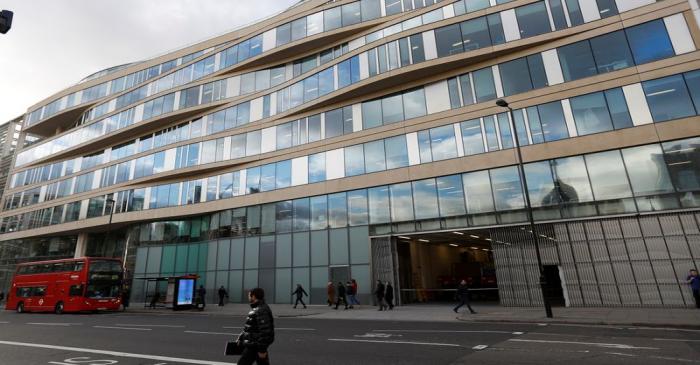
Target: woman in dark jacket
389 295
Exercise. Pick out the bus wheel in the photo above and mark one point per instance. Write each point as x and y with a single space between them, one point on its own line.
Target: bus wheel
20 307
59 308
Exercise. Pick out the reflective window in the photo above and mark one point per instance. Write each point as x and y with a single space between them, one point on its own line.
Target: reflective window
301 211
392 109
647 170
504 128
253 180
649 42
611 52
283 174
591 113
310 88
475 33
515 76
298 29
668 98
552 121
558 14
450 196
607 8
354 160
477 190
401 202
618 108
284 34
357 208
417 50
484 85
571 180
379 206
326 82
392 7
683 161
471 137
692 80
532 19
575 14
334 123
442 142
374 156
332 19
466 86
577 61
396 152
507 190
448 40
496 28
540 185
371 114
607 174
491 135
253 140
414 104
351 14
337 210
314 23
317 167
319 212
425 199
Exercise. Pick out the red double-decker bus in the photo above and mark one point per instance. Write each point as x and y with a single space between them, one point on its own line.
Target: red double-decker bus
71 285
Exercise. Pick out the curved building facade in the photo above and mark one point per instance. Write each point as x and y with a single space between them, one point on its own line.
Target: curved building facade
361 139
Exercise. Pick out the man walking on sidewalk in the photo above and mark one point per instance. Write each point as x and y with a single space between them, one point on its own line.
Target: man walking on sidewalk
341 295
222 294
300 292
379 294
258 331
694 282
463 297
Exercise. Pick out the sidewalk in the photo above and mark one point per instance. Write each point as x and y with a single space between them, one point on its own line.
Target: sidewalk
645 317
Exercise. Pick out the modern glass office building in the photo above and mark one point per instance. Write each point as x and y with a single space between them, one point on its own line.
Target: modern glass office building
361 139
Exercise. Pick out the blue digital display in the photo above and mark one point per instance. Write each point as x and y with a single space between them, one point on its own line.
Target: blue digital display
185 291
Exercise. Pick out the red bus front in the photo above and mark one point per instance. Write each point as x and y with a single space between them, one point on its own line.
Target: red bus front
72 285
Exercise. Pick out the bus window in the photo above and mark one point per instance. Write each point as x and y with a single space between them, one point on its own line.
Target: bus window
39 291
59 267
24 292
76 291
78 266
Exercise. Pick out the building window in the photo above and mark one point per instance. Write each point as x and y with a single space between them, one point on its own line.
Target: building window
668 98
649 42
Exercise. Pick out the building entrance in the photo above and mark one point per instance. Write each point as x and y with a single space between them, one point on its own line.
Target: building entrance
431 265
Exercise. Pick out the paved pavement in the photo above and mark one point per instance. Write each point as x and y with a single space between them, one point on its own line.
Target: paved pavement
656 317
165 338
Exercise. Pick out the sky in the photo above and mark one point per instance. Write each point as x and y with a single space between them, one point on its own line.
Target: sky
53 44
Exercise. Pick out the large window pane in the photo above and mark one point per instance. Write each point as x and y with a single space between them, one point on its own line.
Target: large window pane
425 199
477 190
515 76
371 114
374 156
618 108
647 170
354 160
357 208
401 202
471 137
396 152
668 98
552 121
414 104
683 161
337 210
577 61
540 185
649 42
317 167
532 19
448 40
591 113
332 19
379 205
442 143
507 190
319 212
450 196
692 79
611 52
392 109
608 176
351 14
484 85
571 180
475 33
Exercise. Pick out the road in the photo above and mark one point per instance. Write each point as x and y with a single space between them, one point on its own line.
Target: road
193 338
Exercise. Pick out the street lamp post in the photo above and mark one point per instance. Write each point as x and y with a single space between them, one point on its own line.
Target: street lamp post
528 207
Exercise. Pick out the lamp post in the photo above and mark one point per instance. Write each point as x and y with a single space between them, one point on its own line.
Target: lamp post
528 207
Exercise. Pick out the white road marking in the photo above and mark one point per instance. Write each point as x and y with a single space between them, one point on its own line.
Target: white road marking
3 322
479 347
620 354
598 344
123 328
442 331
395 342
53 324
674 359
676 339
148 325
278 328
662 329
518 333
116 353
211 333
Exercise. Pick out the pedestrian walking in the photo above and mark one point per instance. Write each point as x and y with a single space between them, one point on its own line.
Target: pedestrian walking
222 294
2 296
354 290
350 294
694 281
126 293
330 291
340 290
154 299
202 294
258 332
300 292
379 294
389 295
463 297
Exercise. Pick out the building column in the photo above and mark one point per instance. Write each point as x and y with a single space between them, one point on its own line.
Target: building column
81 245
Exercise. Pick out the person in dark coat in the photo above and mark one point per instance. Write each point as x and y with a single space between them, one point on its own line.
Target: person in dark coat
222 294
300 292
2 296
389 295
694 281
126 293
379 294
258 332
340 290
350 294
155 299
330 291
202 294
463 297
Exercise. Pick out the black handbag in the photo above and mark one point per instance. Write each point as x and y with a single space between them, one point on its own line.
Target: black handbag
233 348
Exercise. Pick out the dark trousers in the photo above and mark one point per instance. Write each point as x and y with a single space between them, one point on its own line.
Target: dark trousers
250 356
380 302
464 300
390 302
299 300
696 295
341 299
221 300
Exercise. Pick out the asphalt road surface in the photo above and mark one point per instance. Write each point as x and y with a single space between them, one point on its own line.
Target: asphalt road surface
193 338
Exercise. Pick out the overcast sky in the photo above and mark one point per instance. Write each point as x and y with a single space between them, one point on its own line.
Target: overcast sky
55 43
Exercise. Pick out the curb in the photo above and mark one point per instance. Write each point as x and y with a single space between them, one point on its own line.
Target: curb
575 322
